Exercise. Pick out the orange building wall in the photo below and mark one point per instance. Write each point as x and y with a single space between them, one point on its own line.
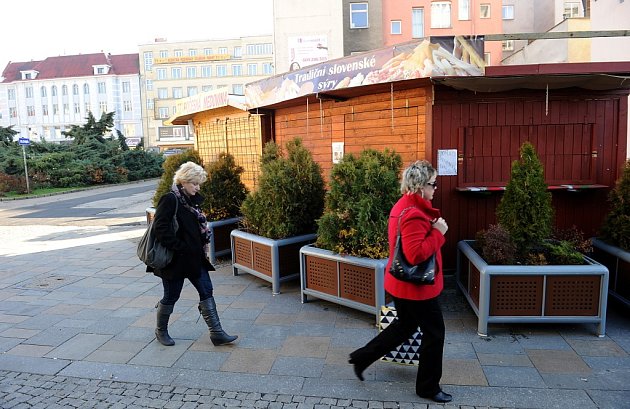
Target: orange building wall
401 10
369 121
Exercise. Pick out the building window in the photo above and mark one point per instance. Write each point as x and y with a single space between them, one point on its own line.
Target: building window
192 91
396 27
507 45
149 85
571 9
66 108
179 53
75 89
191 72
12 112
508 12
29 92
101 87
221 70
192 52
43 92
163 53
162 93
88 107
441 14
259 49
103 107
148 60
464 10
127 106
77 108
130 130
237 70
417 22
149 103
176 73
126 86
30 110
358 15
206 71
252 69
86 89
238 52
163 112
64 90
178 93
267 68
223 50
206 88
55 109
237 89
11 94
484 11
53 91
45 110
161 73
207 51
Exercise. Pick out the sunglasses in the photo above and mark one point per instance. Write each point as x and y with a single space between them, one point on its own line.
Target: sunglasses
433 184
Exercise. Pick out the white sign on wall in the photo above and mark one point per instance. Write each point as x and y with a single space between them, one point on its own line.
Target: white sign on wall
337 151
307 50
447 162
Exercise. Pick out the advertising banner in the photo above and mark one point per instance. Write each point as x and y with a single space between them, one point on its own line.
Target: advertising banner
430 57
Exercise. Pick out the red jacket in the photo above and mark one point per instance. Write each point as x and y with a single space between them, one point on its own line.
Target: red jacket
419 240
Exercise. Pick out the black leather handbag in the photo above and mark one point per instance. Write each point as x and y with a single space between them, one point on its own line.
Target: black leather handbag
423 273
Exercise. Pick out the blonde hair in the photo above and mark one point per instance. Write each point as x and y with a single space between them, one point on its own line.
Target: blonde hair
416 176
190 172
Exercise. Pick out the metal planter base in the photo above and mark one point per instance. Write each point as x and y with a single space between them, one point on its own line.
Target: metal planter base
220 243
261 256
532 294
354 282
617 261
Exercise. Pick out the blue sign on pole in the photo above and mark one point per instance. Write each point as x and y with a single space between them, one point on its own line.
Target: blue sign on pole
24 141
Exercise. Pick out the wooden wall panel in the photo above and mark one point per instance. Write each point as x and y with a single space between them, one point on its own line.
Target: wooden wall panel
565 132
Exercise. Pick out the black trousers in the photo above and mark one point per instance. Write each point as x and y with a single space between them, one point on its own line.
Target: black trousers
425 314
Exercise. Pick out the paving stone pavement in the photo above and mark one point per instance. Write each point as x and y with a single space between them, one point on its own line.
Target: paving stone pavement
76 330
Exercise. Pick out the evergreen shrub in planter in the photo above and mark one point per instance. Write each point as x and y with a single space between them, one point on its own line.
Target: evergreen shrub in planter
612 248
280 216
517 271
346 265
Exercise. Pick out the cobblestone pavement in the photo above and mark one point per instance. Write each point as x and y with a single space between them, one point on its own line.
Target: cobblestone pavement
77 317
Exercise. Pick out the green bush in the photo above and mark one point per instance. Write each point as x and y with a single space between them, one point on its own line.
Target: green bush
141 164
525 212
290 195
362 193
224 191
616 227
170 166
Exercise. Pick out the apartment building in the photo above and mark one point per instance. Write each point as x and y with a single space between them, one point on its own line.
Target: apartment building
405 20
41 99
173 70
308 32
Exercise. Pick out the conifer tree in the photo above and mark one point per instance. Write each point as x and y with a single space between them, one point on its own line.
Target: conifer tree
616 227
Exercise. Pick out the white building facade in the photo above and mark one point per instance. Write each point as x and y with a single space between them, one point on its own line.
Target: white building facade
41 99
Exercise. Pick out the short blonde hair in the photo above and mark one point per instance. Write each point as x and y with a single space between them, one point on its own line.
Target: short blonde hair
416 176
190 172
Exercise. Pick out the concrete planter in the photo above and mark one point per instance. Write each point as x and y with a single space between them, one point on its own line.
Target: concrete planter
617 261
274 261
354 282
220 234
520 294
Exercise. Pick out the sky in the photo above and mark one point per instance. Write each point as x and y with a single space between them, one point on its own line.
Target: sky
38 29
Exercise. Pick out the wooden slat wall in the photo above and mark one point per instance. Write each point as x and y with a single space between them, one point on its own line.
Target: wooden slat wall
500 123
370 121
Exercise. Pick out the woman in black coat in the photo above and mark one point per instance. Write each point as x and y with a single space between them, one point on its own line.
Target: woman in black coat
190 247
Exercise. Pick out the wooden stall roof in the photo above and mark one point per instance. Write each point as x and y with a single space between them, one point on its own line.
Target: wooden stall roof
188 107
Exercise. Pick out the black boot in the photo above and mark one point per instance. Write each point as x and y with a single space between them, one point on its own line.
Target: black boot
208 310
161 330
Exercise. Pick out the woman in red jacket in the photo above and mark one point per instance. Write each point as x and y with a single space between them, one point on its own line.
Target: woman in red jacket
422 231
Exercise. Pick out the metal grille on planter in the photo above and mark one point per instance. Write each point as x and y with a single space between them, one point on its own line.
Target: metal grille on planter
408 352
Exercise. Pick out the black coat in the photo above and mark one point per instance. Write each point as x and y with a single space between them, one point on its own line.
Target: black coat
187 244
